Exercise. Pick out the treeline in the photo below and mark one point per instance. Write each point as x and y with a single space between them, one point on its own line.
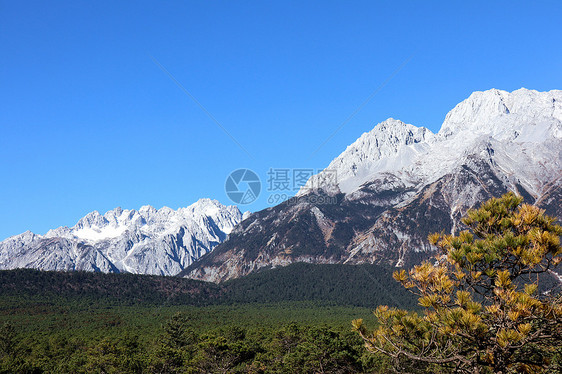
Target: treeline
356 285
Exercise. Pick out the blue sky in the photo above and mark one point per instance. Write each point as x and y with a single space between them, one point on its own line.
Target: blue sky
89 121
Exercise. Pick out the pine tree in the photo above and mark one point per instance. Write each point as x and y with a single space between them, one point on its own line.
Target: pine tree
482 311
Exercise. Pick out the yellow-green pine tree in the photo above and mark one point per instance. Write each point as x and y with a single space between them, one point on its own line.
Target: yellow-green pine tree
482 309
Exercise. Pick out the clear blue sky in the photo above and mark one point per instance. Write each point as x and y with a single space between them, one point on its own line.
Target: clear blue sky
89 121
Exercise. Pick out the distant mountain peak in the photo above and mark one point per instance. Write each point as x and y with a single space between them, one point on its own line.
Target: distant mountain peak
148 240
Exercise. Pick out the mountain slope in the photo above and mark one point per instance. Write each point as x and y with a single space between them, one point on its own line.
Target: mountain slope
361 285
146 241
398 183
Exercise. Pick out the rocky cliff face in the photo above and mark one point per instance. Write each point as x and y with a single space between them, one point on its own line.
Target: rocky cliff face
145 241
398 183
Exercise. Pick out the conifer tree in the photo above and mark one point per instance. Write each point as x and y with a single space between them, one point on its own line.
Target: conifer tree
482 309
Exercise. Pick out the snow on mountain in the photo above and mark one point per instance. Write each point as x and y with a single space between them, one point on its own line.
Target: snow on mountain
147 240
391 145
398 183
515 110
523 128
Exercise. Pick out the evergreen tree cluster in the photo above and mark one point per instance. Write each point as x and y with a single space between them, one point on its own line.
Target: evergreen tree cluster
357 285
181 348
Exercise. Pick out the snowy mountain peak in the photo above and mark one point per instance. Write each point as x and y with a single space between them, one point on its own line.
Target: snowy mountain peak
388 146
149 241
26 236
147 209
483 111
386 138
494 121
205 205
91 219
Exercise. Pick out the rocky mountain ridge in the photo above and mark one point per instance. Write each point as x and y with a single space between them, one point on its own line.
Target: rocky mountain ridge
398 183
147 241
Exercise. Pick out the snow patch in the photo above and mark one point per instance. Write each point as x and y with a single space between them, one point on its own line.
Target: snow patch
98 234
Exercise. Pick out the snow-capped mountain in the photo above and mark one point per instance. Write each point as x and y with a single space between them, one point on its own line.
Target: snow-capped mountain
398 183
523 126
146 241
390 147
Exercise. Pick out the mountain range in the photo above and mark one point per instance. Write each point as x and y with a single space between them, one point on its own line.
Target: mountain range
375 203
378 200
145 241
